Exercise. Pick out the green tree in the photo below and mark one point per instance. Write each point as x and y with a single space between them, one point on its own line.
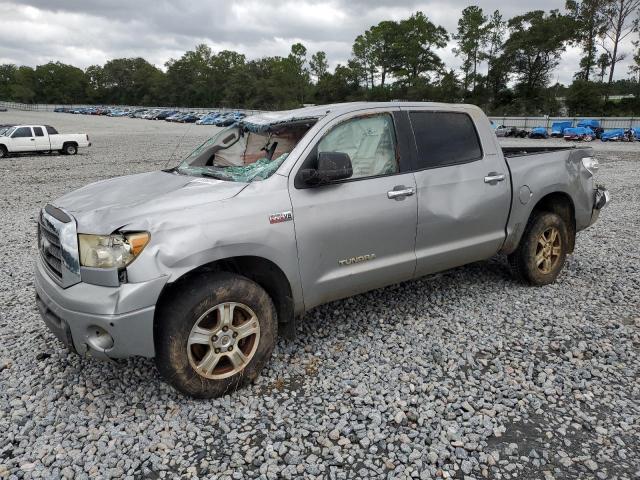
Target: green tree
7 79
319 65
584 98
533 51
417 58
470 38
56 82
620 22
589 25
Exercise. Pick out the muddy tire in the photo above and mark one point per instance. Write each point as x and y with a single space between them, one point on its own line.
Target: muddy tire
215 334
542 251
69 149
3 152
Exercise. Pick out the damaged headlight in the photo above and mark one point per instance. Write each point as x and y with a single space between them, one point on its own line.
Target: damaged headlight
591 164
111 251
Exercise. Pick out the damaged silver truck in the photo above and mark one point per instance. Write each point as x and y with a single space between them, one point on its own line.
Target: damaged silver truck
200 266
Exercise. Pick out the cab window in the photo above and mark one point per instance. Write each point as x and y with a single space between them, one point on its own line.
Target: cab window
38 131
370 143
22 132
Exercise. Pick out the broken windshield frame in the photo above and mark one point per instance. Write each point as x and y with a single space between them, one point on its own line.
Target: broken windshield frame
238 155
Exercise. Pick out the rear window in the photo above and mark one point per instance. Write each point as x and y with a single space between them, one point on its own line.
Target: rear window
51 130
22 132
444 138
38 131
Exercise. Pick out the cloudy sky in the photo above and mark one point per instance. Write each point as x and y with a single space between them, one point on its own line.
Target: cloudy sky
89 32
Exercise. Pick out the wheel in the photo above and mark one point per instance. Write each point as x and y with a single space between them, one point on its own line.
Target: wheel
216 334
3 152
542 251
69 149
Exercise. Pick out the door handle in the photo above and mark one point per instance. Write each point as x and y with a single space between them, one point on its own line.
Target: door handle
33 139
400 192
494 178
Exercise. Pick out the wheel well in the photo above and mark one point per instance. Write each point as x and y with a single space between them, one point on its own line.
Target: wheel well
69 142
561 204
262 271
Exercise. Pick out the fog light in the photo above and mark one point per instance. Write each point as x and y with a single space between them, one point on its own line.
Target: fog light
99 339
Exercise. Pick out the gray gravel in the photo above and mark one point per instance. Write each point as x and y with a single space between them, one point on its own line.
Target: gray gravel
466 374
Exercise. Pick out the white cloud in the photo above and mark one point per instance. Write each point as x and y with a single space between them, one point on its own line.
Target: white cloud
92 32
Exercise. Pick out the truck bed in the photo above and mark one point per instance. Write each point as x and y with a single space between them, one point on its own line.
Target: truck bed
510 152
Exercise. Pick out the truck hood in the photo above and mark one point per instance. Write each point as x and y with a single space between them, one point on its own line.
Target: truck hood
108 205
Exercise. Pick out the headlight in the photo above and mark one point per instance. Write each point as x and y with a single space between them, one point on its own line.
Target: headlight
111 251
591 164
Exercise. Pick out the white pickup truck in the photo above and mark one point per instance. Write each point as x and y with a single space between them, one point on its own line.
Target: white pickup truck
40 138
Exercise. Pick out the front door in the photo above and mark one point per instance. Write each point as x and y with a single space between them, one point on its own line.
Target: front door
23 140
357 234
463 191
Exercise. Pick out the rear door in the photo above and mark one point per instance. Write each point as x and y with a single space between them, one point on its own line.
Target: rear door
463 190
23 140
42 139
356 234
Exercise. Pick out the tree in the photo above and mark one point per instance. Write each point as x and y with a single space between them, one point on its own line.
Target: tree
470 37
589 24
57 82
493 41
7 79
619 24
603 63
634 68
533 50
417 58
319 65
584 98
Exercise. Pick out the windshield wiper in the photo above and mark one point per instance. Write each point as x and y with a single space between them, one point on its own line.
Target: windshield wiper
215 175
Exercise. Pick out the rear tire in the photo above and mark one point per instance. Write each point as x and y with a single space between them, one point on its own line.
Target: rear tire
215 334
69 149
542 251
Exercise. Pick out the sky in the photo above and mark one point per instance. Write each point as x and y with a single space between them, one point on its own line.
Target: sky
90 32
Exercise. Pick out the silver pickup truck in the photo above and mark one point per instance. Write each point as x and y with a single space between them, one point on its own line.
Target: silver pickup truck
200 265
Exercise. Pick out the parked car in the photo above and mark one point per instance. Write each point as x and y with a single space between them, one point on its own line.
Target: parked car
619 135
579 134
164 114
189 118
40 138
200 266
539 132
175 117
594 125
503 131
208 119
557 128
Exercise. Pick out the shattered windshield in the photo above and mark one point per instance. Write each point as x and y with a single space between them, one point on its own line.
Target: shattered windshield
238 155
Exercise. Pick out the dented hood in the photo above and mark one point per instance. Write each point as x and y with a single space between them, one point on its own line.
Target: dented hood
104 207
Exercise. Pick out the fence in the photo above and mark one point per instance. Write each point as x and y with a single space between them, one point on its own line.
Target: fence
520 122
531 122
42 107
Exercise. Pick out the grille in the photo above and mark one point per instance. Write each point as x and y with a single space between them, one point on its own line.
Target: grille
49 245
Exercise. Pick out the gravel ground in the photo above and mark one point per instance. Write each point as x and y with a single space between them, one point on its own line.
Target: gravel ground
466 374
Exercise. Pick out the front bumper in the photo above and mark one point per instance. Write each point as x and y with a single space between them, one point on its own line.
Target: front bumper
601 198
104 322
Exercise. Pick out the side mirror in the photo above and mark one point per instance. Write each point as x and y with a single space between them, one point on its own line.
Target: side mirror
332 166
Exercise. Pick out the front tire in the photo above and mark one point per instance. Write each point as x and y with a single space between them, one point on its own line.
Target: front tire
3 152
217 333
542 251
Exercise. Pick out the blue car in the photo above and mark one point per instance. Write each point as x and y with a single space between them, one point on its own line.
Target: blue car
557 128
539 132
594 125
619 135
579 134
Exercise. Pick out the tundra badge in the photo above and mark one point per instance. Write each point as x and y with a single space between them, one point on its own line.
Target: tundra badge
281 217
358 259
